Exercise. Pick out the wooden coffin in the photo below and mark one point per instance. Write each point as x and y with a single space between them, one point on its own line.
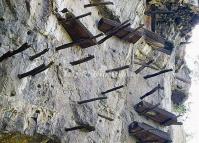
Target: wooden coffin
157 114
132 36
146 133
77 31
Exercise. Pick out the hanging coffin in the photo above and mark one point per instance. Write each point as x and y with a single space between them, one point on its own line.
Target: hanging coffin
146 133
156 114
77 30
133 35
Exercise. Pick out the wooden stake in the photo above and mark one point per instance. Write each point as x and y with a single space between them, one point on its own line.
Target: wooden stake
158 73
38 54
118 69
91 100
113 89
143 67
107 118
98 4
87 127
90 57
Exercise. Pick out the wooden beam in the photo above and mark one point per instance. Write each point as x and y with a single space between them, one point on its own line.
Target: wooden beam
158 73
91 100
90 57
98 4
143 67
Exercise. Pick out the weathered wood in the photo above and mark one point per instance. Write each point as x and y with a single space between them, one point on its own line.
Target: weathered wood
78 42
143 67
113 33
98 4
158 73
90 57
118 69
35 71
14 52
86 127
91 100
130 35
148 133
149 109
156 113
113 89
38 54
105 117
151 91
151 38
78 17
77 30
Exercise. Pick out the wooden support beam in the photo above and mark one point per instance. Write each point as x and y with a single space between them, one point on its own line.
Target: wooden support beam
113 89
115 31
14 52
78 42
86 127
130 35
78 17
158 73
105 117
118 69
35 71
91 100
151 91
143 67
98 4
38 54
90 57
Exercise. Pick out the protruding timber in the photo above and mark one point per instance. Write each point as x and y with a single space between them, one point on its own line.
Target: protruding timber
151 91
35 71
91 100
78 17
114 31
105 117
14 52
156 114
144 64
143 67
158 73
113 89
118 69
38 54
78 42
145 133
98 4
77 30
151 38
85 127
90 57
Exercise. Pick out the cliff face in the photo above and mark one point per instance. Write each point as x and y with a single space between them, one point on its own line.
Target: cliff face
46 103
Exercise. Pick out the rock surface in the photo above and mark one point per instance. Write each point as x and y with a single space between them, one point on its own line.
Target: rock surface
47 103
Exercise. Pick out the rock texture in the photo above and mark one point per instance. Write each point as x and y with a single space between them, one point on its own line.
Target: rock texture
47 102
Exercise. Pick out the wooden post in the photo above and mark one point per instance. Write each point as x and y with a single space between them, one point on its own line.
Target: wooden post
87 127
143 67
38 54
158 73
151 91
35 70
90 57
78 17
78 42
113 89
98 4
91 100
118 69
113 32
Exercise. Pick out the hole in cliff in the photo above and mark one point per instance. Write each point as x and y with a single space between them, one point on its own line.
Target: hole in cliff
29 32
13 93
2 19
100 120
39 86
37 111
